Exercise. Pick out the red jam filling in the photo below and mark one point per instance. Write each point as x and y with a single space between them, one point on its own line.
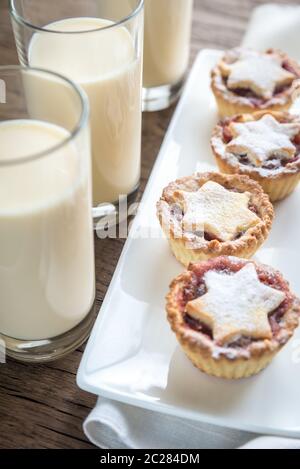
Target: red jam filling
196 288
273 161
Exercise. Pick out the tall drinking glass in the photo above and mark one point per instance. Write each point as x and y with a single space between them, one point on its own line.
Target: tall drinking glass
98 44
47 272
166 51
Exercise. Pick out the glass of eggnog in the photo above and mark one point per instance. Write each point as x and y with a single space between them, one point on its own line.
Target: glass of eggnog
98 44
166 51
47 272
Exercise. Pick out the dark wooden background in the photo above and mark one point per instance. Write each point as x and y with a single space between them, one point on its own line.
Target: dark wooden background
41 406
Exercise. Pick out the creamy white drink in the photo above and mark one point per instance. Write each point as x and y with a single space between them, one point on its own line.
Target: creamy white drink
47 283
166 41
104 63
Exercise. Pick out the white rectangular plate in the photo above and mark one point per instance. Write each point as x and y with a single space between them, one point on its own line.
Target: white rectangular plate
132 355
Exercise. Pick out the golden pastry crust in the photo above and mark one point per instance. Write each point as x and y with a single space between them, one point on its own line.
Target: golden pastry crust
230 103
277 183
187 249
229 362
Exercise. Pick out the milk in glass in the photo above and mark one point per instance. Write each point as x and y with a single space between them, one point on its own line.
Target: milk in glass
47 282
104 63
166 41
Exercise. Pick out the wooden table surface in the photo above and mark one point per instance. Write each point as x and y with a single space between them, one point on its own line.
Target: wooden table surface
40 405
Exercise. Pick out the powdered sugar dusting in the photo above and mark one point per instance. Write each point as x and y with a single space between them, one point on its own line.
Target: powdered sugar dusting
216 210
236 304
230 353
261 73
263 138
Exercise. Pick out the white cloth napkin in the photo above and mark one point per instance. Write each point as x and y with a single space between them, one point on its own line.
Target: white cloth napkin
112 425
276 26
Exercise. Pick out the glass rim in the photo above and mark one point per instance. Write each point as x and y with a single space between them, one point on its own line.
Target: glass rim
14 13
81 123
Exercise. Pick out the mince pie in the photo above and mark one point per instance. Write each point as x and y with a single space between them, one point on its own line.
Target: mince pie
246 81
211 214
263 145
232 316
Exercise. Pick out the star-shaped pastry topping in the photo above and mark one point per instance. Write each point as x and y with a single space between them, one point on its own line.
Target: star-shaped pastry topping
263 138
236 305
216 210
258 72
